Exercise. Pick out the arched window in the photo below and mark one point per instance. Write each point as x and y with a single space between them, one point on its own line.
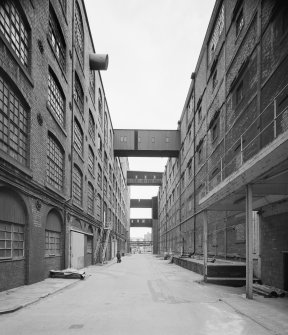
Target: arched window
15 29
55 163
56 98
99 207
77 186
91 160
78 94
13 124
53 234
100 107
91 126
78 137
79 35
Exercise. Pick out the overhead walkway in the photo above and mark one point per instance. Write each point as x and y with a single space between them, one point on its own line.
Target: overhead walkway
143 223
141 203
144 178
146 143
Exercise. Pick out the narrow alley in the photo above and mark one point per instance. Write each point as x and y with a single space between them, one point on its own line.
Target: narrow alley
145 294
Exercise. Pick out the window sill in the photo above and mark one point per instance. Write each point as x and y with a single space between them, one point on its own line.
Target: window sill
52 256
4 260
55 190
16 58
55 119
16 164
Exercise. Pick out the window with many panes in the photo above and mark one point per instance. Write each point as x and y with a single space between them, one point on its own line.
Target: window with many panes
218 28
99 177
55 163
56 38
100 107
105 186
78 137
15 29
77 186
79 35
11 240
105 128
13 124
105 161
56 99
99 146
78 94
239 22
91 126
90 200
99 207
92 84
91 160
52 243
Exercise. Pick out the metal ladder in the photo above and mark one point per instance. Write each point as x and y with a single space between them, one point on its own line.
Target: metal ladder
107 228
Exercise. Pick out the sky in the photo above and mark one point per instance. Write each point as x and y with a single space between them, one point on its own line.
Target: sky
153 47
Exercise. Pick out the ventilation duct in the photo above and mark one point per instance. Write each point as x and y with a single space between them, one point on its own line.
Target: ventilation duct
98 62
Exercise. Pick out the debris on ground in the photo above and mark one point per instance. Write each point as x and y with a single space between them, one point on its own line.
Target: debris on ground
68 274
268 291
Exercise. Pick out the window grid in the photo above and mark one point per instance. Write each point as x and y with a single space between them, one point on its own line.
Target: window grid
13 125
79 35
99 207
14 30
79 94
218 28
91 127
52 243
90 202
78 137
92 84
99 179
55 164
56 39
100 108
77 186
91 160
56 100
11 240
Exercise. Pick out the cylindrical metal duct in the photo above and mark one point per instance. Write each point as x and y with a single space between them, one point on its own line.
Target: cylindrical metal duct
98 61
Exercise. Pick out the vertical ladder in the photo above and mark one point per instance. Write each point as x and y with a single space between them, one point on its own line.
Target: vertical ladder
107 229
98 245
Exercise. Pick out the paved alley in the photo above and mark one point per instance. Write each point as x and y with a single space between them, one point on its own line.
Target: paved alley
142 295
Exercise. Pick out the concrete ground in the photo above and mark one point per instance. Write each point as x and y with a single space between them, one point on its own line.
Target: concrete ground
142 295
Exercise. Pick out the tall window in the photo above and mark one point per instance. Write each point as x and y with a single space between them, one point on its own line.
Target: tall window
52 243
13 124
218 28
100 107
79 35
91 126
99 207
11 240
56 99
105 186
99 146
78 137
77 186
105 128
99 178
239 22
91 160
55 164
105 161
15 30
78 94
90 202
92 84
56 38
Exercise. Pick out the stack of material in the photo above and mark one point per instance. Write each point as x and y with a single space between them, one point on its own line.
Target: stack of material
268 291
67 274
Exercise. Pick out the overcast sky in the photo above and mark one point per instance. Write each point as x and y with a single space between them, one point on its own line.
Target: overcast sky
153 47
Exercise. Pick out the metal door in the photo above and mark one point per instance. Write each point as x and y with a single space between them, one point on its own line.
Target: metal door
77 250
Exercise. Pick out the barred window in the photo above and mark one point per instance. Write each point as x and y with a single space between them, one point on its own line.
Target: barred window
78 94
52 243
91 126
13 124
56 38
100 107
91 160
56 99
99 207
15 30
79 35
55 164
90 202
99 178
92 84
11 240
77 186
218 28
78 137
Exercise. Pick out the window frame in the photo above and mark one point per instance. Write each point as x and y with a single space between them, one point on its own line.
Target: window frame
12 240
77 186
56 236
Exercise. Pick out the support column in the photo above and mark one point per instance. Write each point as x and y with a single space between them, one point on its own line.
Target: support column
205 248
249 243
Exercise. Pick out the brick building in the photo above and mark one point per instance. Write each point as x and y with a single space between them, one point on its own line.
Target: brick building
234 137
59 179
